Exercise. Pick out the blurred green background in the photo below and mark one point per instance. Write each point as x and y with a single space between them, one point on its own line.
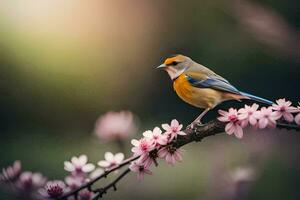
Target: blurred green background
64 63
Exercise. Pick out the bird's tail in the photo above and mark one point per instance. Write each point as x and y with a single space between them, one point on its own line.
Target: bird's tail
258 99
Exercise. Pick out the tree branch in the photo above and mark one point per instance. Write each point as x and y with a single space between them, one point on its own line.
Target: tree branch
199 132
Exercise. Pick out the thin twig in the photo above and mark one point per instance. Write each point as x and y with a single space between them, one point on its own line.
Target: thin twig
101 191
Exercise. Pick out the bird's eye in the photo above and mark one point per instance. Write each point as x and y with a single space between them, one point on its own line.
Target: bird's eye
174 63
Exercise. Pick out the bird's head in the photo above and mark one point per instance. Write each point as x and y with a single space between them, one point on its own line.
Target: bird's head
176 65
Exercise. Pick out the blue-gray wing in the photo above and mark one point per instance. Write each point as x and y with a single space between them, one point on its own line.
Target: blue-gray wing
215 82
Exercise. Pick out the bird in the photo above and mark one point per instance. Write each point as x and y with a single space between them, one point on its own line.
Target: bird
200 87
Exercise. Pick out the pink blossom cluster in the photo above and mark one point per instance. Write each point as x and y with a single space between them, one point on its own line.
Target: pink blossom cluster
154 144
24 184
36 186
266 117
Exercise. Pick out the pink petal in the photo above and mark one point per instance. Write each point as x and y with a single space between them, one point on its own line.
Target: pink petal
103 163
135 142
228 128
272 123
69 166
174 123
157 130
170 159
166 127
252 120
244 123
223 113
181 133
147 134
88 168
109 156
82 159
177 155
162 152
297 119
263 123
238 132
223 119
179 127
119 157
288 117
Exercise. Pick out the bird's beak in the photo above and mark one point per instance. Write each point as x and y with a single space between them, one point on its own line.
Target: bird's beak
161 66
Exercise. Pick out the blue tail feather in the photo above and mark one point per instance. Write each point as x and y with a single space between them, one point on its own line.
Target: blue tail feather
258 99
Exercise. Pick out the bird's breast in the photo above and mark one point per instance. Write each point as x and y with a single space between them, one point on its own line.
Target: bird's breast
198 97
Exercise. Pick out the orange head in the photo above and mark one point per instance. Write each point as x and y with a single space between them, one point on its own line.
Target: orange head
176 65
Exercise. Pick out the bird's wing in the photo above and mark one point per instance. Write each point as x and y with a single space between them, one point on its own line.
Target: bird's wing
211 81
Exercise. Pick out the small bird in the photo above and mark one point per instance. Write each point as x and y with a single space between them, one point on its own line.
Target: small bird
201 87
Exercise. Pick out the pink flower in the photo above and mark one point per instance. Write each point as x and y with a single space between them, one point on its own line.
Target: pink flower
115 126
142 146
156 136
171 154
85 195
148 159
297 118
111 160
247 115
11 173
29 181
173 129
284 109
233 125
74 181
140 169
53 189
78 165
266 118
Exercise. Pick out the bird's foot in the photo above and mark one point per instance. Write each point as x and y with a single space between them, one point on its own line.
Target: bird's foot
194 125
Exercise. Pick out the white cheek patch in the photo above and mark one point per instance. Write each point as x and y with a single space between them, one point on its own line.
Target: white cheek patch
173 73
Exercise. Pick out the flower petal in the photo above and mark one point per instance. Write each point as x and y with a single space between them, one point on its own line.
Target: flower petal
103 163
119 157
82 159
88 168
109 156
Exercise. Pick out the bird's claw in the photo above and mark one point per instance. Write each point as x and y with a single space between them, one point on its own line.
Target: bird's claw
194 125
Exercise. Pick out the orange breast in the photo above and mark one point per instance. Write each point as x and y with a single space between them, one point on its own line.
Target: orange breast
198 97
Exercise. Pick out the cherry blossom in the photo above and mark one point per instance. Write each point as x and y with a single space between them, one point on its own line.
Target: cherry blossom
53 189
78 165
85 195
142 146
11 173
233 125
140 169
115 126
149 158
156 136
247 115
173 129
170 154
283 108
29 181
267 118
111 160
74 181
